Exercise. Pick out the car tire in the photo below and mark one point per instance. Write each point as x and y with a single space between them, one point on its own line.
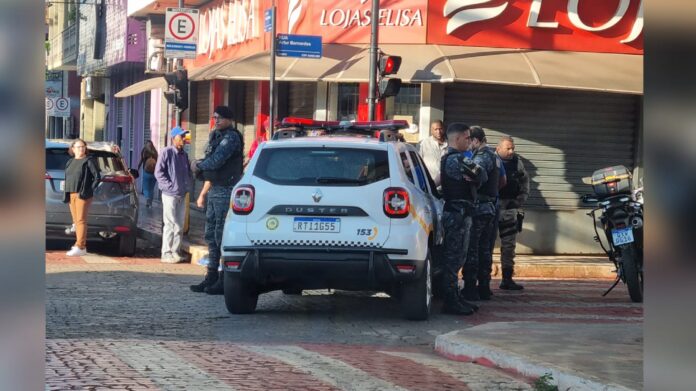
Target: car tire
241 295
126 245
417 296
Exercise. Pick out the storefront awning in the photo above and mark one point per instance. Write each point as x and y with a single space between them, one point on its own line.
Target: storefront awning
142 86
621 73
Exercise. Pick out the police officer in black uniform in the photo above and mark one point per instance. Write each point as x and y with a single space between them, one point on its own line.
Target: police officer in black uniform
222 166
478 265
460 179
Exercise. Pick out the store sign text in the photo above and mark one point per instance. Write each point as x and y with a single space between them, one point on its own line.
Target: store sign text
346 18
459 17
228 24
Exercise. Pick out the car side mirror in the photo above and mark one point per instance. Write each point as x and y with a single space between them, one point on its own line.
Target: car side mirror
134 173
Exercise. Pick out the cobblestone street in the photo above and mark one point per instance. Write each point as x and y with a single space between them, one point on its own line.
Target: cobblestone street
132 323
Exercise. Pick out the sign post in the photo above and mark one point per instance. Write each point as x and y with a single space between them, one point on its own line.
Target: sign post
271 83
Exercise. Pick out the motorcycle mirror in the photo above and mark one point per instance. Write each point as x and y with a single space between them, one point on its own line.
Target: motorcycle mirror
587 180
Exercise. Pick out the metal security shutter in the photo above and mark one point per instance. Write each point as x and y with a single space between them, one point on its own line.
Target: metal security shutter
249 103
562 135
301 98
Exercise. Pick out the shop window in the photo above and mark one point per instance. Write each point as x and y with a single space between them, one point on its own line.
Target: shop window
348 96
407 102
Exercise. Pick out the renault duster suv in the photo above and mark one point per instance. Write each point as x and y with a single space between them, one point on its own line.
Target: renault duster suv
347 209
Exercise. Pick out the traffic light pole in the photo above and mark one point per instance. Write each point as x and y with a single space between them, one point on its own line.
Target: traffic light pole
372 93
271 83
178 64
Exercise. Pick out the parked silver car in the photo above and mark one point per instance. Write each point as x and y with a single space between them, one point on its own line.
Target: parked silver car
113 215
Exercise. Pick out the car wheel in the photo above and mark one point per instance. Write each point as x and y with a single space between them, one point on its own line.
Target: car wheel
416 296
241 295
126 245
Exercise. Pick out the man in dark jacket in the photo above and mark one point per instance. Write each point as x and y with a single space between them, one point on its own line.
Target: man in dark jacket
512 197
478 263
460 180
222 166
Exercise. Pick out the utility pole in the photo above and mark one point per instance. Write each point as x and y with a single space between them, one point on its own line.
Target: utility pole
372 94
178 64
271 83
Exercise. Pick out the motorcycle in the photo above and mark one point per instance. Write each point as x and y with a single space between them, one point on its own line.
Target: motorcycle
621 219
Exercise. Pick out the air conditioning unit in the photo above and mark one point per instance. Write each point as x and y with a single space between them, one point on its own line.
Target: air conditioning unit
93 87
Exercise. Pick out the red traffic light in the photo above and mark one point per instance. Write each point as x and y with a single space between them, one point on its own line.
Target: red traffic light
389 65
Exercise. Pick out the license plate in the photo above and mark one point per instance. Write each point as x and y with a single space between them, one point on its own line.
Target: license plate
622 236
316 224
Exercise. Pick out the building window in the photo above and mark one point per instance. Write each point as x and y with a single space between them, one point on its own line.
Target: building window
407 102
348 95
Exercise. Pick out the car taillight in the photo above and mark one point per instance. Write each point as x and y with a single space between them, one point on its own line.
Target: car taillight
124 181
396 202
243 200
47 176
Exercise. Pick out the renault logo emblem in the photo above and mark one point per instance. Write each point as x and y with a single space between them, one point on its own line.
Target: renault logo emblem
316 196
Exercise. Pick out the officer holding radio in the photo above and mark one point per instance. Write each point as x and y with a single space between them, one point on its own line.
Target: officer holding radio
512 197
460 178
222 167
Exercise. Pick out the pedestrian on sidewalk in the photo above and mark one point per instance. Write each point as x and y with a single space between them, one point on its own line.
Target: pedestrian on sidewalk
222 166
81 180
173 174
477 269
433 148
148 160
512 198
459 193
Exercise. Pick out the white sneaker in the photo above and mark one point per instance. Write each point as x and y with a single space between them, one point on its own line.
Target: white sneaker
76 252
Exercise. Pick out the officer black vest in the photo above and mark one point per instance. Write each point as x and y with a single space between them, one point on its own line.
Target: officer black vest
231 171
455 189
489 190
512 188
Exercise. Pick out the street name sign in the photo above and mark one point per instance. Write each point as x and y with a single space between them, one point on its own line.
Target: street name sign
181 33
303 46
268 20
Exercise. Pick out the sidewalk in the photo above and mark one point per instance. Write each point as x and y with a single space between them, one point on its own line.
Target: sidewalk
578 356
562 266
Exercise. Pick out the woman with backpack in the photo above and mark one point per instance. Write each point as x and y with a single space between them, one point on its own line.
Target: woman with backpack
148 160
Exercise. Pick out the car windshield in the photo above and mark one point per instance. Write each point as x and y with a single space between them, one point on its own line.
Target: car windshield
108 162
322 165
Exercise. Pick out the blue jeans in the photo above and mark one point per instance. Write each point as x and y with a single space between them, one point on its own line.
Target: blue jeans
148 185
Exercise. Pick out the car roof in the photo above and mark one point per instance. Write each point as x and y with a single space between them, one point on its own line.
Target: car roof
104 146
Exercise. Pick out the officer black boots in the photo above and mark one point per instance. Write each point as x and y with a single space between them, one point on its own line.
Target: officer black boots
484 289
210 278
508 283
454 305
470 292
218 287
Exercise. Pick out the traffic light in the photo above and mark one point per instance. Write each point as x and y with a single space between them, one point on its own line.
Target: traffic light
177 93
388 65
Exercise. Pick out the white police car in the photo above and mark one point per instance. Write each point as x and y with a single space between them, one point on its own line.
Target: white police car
343 210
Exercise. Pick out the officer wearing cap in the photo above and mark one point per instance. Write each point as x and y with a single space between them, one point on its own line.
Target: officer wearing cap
477 267
222 166
460 178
